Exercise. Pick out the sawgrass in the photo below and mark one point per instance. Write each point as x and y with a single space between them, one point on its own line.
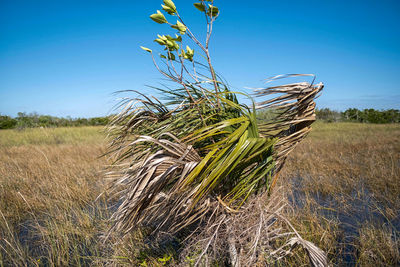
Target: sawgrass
51 136
49 181
345 189
343 178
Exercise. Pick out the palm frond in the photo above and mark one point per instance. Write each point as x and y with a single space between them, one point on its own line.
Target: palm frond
295 107
198 153
177 159
158 163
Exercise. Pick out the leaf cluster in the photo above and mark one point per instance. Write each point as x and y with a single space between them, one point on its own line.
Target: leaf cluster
174 44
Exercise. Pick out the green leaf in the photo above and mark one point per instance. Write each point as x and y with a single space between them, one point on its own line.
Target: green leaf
169 37
170 43
160 41
171 56
180 27
200 6
213 11
176 46
159 17
189 53
183 54
168 10
178 38
146 49
162 37
170 5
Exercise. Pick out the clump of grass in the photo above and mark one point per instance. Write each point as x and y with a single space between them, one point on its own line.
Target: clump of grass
305 214
378 245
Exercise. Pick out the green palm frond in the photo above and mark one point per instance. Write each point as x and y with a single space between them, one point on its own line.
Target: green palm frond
178 160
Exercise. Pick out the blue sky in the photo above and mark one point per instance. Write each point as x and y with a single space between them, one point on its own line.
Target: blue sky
68 57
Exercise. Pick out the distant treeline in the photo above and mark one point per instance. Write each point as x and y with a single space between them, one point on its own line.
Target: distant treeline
366 115
31 120
351 114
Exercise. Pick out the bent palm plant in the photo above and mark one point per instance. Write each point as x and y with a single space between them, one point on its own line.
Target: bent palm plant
199 148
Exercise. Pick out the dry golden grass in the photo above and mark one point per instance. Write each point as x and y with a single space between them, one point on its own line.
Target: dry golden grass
49 181
337 157
377 247
44 176
52 136
344 179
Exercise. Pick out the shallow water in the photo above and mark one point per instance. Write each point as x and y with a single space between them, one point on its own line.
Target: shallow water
361 208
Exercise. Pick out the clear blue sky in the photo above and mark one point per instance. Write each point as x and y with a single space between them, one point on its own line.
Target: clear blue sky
67 57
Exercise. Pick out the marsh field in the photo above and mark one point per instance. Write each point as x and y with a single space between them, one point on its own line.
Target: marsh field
342 184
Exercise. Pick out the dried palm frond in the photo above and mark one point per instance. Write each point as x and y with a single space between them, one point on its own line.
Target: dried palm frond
155 168
257 235
295 107
317 256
